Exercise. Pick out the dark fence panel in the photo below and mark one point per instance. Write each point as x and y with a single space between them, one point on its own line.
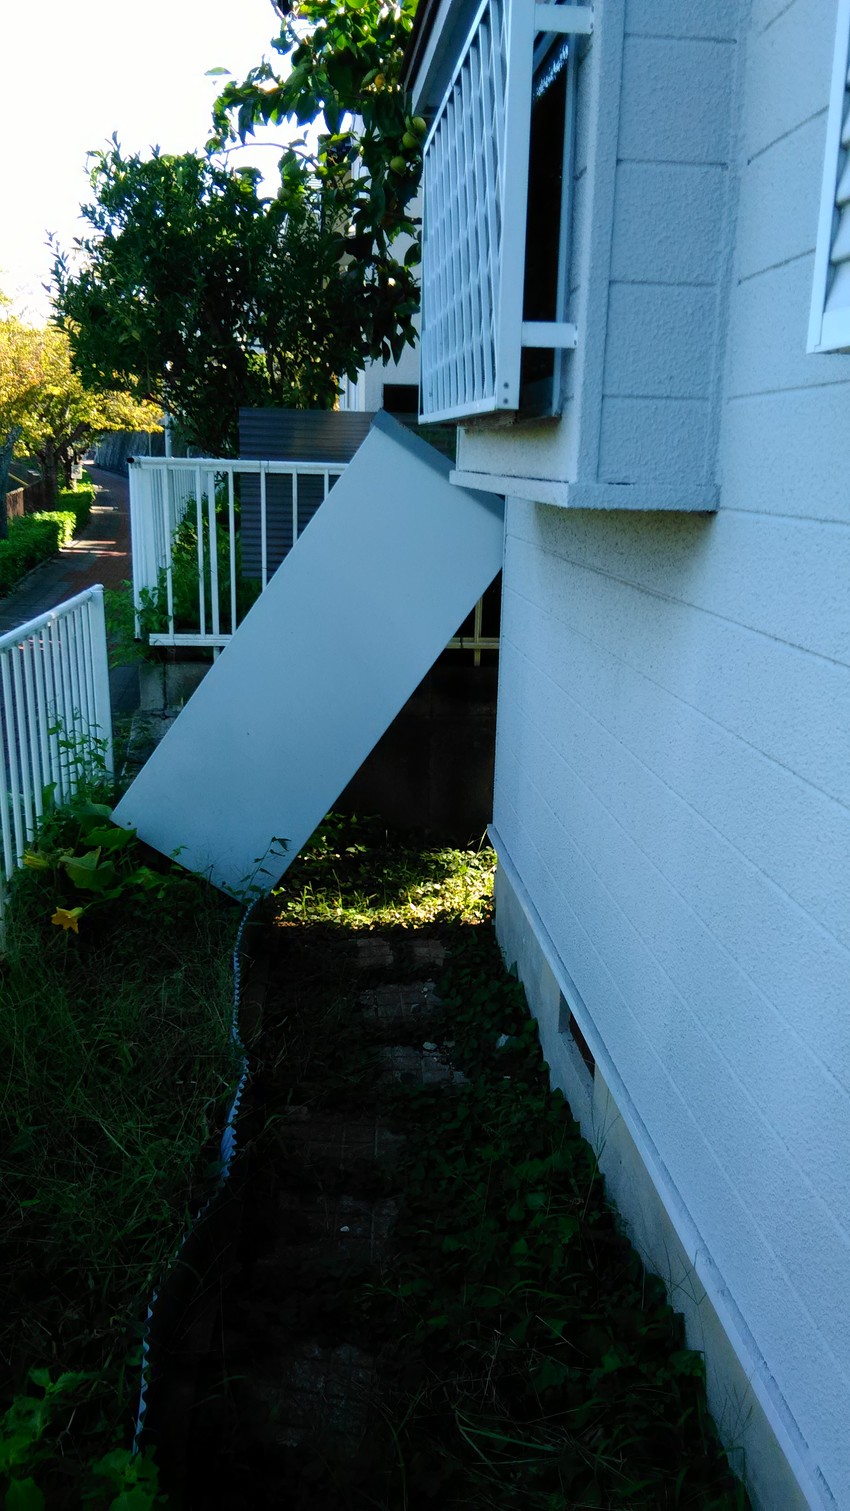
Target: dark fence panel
26 500
298 435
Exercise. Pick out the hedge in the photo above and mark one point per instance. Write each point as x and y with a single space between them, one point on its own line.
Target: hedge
30 540
35 537
79 500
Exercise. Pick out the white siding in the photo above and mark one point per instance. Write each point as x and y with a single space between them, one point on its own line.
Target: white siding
662 342
673 780
651 186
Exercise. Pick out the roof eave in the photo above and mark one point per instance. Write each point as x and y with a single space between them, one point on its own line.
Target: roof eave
432 49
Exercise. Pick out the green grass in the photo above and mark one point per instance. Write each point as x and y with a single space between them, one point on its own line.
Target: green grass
117 1065
354 874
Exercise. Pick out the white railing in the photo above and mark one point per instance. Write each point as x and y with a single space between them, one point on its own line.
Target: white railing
55 715
207 536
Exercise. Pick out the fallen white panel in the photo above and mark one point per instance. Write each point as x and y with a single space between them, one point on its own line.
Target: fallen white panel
347 628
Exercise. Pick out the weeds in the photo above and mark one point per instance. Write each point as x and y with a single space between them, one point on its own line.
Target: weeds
526 1358
551 1370
354 875
117 1068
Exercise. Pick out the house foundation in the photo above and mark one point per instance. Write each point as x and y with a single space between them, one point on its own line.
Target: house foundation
760 1446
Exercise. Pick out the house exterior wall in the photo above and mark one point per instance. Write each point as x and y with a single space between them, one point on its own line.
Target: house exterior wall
655 112
672 776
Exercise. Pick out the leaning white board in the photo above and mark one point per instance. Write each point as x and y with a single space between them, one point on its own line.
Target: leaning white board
350 623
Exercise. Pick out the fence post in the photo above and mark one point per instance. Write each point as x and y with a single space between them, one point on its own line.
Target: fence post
100 677
143 555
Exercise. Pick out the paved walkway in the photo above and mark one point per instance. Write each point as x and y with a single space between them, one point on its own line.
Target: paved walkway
99 554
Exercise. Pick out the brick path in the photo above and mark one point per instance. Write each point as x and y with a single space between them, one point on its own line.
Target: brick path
99 554
322 1200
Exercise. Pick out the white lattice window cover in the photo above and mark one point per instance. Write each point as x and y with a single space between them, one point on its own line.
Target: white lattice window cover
829 328
474 221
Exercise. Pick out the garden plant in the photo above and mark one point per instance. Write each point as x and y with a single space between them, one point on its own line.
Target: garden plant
118 1068
510 1348
35 537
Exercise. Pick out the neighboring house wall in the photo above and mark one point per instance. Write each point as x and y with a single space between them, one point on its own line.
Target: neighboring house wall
368 390
672 773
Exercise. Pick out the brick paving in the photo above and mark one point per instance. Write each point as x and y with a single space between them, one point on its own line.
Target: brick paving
325 1201
99 554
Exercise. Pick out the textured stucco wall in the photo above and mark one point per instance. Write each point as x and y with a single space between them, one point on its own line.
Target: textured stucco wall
672 779
655 105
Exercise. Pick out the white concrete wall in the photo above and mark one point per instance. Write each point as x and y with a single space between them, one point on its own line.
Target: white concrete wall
655 1223
673 755
367 394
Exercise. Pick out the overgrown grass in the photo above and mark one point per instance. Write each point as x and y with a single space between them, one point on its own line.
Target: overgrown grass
117 1065
526 1358
542 1365
356 875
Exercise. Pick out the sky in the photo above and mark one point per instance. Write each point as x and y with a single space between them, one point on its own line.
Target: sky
73 72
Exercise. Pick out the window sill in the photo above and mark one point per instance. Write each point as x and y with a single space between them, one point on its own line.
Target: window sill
646 497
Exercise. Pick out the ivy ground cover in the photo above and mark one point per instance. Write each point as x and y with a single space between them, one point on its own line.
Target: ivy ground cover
434 1305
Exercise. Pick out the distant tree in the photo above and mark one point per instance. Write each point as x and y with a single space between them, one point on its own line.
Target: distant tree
62 415
195 292
21 372
46 410
345 78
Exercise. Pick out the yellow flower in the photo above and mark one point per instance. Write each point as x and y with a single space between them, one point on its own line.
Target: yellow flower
68 918
36 861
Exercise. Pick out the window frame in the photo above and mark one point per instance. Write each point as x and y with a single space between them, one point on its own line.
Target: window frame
829 330
462 380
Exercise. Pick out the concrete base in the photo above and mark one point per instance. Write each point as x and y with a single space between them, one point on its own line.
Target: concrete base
750 1440
164 686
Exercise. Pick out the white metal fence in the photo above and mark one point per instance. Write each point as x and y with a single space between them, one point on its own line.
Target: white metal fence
55 715
207 499
207 536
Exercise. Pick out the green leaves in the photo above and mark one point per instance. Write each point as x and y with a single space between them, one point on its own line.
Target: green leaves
111 839
86 872
345 78
194 289
24 1495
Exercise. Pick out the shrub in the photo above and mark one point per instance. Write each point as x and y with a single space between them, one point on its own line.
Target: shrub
66 523
30 540
35 537
79 500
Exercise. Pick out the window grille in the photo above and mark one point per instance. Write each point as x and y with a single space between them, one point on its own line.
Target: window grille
476 171
829 329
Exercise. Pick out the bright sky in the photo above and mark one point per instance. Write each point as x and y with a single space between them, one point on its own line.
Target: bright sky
73 72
